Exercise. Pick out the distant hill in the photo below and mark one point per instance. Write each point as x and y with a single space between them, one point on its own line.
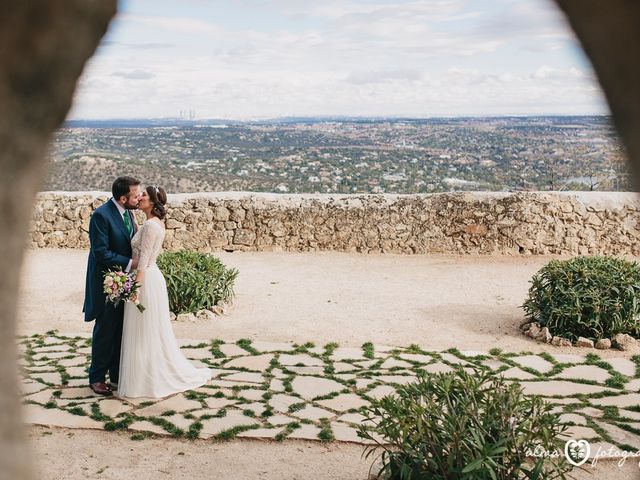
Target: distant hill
343 154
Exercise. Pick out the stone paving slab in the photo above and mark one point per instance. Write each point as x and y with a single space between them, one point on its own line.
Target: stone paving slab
269 433
281 402
232 350
561 387
300 360
535 362
569 358
144 426
176 403
573 418
628 400
310 387
28 387
623 365
258 363
345 433
267 390
231 420
306 432
344 402
42 396
113 407
518 374
310 412
633 385
279 420
54 417
620 436
591 372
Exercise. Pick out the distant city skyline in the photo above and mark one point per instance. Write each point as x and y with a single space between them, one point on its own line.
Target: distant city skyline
252 59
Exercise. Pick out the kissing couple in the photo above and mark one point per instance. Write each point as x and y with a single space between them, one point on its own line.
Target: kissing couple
138 350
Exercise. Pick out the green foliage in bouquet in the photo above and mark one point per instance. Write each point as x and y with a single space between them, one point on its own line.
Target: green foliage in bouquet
196 281
463 426
593 297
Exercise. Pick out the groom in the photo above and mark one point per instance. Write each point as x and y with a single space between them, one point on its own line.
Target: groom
111 228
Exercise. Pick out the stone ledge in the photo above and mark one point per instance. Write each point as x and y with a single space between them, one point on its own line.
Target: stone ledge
565 223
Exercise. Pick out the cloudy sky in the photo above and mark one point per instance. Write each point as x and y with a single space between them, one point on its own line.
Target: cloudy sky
266 58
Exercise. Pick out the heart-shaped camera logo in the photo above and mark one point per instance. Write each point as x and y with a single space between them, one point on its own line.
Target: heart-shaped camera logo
577 451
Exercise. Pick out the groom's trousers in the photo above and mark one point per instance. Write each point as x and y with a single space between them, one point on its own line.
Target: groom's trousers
106 343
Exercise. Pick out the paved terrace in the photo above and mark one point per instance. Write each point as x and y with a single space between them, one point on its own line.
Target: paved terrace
311 339
280 390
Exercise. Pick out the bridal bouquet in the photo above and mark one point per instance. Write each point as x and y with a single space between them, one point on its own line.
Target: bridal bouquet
120 286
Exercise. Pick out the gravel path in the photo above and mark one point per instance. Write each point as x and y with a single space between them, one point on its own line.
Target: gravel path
435 301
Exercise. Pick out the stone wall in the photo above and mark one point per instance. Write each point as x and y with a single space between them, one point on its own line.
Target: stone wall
455 223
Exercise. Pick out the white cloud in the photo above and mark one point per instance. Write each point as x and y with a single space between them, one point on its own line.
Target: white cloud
364 77
341 57
438 10
134 74
175 24
141 46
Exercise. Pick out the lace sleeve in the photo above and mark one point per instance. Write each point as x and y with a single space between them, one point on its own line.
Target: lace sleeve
148 236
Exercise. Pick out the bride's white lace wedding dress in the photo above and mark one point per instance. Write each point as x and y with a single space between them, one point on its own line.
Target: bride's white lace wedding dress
151 363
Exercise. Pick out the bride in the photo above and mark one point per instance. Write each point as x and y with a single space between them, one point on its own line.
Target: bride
151 363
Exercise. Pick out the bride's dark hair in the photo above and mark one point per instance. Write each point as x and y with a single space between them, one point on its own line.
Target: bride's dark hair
158 198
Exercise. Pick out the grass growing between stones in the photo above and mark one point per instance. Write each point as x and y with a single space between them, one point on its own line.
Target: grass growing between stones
329 348
121 424
304 348
245 344
77 411
359 377
215 348
290 428
326 434
194 430
233 432
97 415
368 350
167 426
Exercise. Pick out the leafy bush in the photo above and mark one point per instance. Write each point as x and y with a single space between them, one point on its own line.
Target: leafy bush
195 280
592 297
461 425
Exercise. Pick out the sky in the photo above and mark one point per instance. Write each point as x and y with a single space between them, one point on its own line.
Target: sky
252 59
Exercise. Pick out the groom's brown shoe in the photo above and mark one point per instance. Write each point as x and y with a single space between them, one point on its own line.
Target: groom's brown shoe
100 388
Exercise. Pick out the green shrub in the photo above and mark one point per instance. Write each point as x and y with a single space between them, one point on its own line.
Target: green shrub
195 281
463 426
592 297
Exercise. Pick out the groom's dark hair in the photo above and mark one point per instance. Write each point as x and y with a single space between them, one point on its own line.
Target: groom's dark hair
121 186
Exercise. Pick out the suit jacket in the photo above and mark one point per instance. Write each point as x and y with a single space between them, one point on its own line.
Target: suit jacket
110 247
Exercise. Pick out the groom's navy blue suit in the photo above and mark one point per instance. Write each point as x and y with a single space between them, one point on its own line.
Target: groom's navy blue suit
110 247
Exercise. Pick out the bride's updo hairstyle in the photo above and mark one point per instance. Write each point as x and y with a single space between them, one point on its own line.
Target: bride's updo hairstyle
158 198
